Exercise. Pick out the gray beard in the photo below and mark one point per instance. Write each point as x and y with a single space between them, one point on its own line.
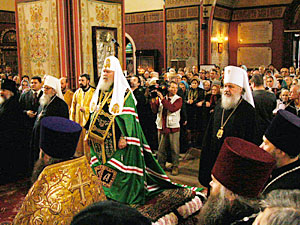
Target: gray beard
45 99
104 85
215 210
230 102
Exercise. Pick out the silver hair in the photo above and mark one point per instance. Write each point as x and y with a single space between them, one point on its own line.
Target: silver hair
285 206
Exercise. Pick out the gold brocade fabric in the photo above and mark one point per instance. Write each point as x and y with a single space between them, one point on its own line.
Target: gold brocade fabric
68 97
61 191
81 99
39 37
102 129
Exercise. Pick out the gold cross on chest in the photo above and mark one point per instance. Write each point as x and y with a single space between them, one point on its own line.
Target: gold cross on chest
80 186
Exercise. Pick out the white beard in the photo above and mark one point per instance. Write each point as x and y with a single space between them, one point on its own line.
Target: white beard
229 102
45 99
2 100
104 85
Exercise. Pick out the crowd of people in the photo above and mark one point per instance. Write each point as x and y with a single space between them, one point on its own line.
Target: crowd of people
200 92
226 113
197 93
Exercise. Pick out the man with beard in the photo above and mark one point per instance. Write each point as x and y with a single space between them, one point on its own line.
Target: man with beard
62 185
233 116
51 104
120 154
80 110
238 176
281 140
13 155
68 94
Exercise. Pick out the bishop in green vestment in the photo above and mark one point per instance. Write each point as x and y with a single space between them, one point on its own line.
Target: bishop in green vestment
120 154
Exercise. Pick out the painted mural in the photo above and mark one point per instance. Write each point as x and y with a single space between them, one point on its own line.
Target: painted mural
38 36
182 41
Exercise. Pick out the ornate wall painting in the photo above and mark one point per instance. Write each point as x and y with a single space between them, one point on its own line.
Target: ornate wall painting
182 41
103 46
38 36
98 14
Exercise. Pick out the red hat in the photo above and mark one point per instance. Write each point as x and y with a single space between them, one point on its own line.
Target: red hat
243 167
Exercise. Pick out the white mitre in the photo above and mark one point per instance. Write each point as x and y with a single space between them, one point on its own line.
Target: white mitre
238 76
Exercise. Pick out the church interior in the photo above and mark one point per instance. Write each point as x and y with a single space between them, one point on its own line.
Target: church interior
67 38
63 38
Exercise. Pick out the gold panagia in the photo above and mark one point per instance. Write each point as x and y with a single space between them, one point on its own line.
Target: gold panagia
61 191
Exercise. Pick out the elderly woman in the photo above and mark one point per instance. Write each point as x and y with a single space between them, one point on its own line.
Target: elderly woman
212 99
283 100
184 86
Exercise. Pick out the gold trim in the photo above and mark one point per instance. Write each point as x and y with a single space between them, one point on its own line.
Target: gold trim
94 136
107 95
108 179
114 136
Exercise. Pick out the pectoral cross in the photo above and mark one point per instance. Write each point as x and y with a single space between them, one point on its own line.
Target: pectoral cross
80 186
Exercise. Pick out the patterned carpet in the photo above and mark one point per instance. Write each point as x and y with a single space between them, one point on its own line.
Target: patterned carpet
11 198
